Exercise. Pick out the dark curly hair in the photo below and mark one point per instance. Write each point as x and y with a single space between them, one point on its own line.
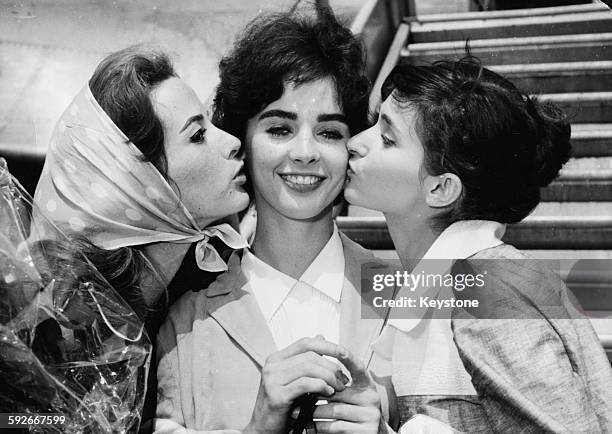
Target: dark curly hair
501 143
287 47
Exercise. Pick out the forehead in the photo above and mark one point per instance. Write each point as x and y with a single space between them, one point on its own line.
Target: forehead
401 117
174 101
314 97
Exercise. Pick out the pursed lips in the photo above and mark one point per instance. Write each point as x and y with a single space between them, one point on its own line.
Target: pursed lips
349 170
240 170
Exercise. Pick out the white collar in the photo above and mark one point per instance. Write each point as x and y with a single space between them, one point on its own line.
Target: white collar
464 238
325 273
460 240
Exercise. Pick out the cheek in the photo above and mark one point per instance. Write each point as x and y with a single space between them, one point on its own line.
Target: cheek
393 175
260 161
205 173
337 160
258 153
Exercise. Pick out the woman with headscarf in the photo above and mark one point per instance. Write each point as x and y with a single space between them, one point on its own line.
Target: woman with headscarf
136 167
136 173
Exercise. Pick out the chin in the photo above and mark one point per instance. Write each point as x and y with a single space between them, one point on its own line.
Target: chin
353 196
240 200
305 212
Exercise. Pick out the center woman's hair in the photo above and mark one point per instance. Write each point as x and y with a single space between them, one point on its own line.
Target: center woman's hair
503 144
289 48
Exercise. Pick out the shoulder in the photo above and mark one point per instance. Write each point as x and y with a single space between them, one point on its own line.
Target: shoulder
508 264
190 307
355 252
194 305
516 285
503 251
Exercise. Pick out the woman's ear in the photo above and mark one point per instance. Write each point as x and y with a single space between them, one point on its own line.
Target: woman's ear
442 190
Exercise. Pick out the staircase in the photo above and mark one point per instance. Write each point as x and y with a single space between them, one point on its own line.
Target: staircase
561 54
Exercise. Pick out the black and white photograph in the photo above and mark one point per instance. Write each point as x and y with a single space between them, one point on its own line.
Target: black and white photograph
305 216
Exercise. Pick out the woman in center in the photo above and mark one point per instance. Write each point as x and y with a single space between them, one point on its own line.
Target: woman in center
240 354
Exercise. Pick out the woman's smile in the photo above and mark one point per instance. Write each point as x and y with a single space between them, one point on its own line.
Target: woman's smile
296 151
302 182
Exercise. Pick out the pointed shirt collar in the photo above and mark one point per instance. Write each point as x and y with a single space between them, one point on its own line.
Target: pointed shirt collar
460 240
325 273
464 238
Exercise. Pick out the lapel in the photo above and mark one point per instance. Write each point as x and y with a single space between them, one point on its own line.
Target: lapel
357 333
238 313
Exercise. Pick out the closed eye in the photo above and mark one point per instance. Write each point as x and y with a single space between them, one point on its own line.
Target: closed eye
387 142
199 136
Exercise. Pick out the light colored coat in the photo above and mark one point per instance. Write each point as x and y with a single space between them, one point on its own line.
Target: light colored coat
214 343
533 359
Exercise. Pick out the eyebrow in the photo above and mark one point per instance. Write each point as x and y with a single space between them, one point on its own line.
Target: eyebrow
278 114
293 116
387 120
332 117
195 118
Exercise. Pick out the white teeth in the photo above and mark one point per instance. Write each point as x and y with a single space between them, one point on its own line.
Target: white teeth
303 180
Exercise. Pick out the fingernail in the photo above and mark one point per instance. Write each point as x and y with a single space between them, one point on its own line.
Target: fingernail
345 379
341 383
330 390
343 353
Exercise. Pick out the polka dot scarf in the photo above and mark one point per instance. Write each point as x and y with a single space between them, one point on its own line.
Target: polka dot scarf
96 184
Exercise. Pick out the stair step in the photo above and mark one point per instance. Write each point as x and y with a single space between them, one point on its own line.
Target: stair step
566 226
591 140
534 49
544 209
562 255
559 76
573 209
583 106
582 179
513 13
587 273
590 167
483 28
533 233
589 278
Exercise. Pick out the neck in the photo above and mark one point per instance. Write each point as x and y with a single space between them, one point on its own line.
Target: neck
411 236
166 258
290 245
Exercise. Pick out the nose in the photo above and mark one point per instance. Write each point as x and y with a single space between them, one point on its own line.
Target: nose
231 145
304 149
356 145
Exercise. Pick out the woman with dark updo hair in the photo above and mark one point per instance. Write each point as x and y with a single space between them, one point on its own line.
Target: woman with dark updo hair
457 153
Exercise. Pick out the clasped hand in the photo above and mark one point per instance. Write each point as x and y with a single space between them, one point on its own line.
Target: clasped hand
301 368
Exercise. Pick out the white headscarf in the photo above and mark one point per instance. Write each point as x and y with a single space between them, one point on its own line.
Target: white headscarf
96 184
